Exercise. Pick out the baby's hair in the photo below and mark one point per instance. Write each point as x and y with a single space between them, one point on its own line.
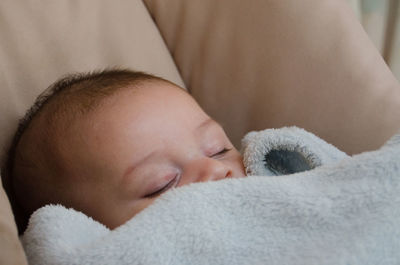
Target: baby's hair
71 95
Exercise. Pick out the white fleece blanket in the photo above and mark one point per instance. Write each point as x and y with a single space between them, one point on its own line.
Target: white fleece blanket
344 211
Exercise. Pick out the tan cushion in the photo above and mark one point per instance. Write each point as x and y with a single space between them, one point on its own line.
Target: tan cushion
258 64
11 252
42 40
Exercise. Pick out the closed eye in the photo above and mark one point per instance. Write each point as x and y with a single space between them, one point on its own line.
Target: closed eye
223 151
172 183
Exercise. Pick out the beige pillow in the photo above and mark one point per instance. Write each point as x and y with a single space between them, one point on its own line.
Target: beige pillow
258 64
42 40
11 252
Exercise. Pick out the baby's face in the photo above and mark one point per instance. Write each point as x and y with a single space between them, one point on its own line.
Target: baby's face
138 145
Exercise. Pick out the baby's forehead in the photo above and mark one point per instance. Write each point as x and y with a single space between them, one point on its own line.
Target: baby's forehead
72 115
154 94
147 100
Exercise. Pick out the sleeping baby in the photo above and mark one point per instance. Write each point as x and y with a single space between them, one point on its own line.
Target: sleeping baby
109 143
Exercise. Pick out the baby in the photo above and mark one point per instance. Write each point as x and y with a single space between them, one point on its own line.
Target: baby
109 143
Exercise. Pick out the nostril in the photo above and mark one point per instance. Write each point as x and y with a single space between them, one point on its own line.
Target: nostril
228 174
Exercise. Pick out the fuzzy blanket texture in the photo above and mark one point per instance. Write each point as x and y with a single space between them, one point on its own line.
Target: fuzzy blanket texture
313 205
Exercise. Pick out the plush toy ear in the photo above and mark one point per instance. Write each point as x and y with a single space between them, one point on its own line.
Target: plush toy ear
284 162
288 150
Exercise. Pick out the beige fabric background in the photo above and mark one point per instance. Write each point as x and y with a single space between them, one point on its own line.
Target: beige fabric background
43 40
267 63
381 21
11 252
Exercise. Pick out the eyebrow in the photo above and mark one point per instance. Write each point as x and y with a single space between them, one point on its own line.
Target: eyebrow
133 166
206 123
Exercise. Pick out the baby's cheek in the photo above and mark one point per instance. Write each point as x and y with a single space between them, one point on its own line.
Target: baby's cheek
133 209
237 166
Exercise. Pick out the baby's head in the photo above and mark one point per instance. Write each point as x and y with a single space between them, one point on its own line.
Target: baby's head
109 143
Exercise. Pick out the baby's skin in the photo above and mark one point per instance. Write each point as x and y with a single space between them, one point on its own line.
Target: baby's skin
139 144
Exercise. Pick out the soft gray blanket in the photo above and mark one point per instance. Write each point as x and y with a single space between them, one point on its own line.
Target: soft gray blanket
341 210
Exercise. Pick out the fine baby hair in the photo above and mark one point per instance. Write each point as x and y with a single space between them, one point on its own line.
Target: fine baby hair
54 110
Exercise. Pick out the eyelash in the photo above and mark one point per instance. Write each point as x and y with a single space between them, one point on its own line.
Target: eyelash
223 151
170 184
163 189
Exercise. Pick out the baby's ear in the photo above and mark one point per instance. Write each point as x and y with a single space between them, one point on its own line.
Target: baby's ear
284 151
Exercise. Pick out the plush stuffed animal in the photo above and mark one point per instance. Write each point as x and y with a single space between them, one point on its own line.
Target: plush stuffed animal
287 150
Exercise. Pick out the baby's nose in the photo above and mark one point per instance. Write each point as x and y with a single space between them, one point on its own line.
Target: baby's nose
207 169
